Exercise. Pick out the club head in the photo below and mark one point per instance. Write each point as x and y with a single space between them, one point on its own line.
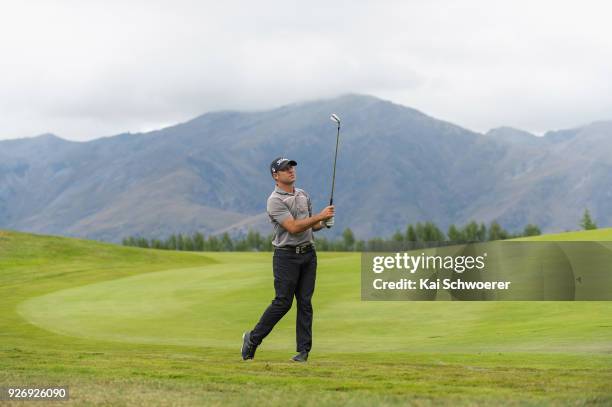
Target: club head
335 118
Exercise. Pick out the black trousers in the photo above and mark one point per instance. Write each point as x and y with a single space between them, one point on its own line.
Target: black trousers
294 275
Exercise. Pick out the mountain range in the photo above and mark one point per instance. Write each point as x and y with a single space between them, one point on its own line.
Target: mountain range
396 166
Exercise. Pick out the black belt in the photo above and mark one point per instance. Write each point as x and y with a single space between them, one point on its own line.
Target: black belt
300 249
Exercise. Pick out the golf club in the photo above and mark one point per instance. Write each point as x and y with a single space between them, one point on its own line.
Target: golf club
334 117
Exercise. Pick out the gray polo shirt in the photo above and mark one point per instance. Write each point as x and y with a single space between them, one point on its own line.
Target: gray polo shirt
283 204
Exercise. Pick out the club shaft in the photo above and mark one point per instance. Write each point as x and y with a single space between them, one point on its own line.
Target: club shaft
331 198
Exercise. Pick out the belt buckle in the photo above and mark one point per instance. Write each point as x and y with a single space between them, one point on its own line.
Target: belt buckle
297 249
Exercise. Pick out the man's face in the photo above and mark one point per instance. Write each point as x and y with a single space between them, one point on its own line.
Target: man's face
286 175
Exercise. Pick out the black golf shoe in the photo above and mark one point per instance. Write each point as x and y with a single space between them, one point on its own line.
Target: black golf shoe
248 348
300 357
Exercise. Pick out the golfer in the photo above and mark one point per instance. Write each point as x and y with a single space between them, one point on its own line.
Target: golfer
294 262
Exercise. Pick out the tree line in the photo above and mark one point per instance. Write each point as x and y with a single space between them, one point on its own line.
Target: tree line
420 235
253 241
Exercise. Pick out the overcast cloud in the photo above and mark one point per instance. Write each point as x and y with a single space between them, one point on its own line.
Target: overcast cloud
87 69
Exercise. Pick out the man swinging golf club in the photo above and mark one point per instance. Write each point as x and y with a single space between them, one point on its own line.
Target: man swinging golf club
295 260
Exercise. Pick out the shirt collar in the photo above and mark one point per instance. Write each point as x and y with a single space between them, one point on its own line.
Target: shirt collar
282 191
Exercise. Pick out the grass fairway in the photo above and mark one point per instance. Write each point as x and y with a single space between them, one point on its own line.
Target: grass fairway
126 326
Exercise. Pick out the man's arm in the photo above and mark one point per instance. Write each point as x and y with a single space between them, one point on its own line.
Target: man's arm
318 226
294 226
299 225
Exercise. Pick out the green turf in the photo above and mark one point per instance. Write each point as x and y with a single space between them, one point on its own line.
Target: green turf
127 326
597 235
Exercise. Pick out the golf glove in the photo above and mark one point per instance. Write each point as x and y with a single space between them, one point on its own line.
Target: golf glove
329 222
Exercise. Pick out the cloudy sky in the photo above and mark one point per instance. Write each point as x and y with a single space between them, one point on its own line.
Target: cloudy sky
87 69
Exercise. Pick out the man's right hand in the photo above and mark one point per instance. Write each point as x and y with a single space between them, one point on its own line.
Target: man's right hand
327 213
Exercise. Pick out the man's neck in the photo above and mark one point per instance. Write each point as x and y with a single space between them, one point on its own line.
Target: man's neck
286 187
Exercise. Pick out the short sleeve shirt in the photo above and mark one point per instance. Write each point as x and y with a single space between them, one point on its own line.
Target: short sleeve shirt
282 205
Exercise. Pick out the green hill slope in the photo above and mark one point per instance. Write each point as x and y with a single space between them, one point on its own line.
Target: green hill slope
130 326
601 235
